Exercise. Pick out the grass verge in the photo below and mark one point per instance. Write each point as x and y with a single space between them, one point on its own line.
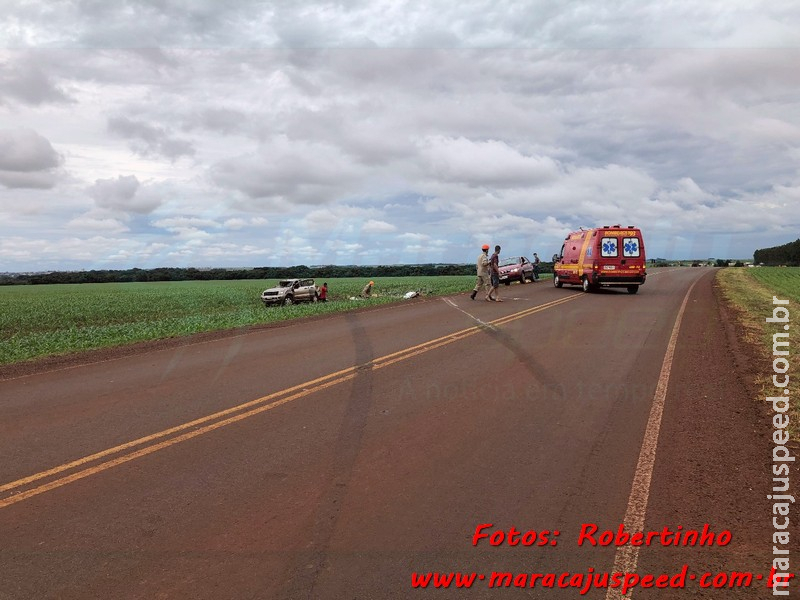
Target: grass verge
751 292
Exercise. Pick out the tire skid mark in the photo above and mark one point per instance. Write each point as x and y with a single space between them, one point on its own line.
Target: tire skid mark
305 568
103 460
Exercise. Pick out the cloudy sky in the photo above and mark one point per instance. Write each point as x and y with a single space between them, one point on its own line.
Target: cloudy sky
145 133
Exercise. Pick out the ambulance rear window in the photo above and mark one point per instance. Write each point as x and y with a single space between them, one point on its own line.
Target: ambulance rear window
630 247
609 247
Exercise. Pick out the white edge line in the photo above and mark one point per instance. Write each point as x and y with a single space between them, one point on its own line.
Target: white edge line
473 317
627 557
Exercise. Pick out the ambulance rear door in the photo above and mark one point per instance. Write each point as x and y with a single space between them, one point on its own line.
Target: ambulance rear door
621 252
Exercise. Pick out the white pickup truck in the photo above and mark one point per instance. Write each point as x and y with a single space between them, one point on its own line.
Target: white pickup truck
290 291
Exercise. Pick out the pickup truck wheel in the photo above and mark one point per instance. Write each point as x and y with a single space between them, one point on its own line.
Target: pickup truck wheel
314 298
288 301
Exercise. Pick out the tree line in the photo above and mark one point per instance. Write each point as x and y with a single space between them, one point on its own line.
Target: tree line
194 274
787 254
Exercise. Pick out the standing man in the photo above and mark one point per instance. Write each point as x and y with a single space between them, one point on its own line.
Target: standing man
322 294
494 274
482 265
536 262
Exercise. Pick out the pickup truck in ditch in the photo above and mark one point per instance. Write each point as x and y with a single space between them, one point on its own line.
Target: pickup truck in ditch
290 291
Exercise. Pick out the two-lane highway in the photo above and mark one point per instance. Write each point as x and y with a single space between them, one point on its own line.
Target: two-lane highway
334 458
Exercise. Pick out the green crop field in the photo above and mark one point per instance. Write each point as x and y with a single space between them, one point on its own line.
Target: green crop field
751 291
45 320
784 281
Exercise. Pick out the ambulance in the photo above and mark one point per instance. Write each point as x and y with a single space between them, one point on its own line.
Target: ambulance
610 256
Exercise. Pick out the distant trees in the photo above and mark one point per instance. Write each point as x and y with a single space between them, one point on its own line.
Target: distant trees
788 254
193 274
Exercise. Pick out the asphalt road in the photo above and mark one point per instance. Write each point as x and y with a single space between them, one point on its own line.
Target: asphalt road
334 458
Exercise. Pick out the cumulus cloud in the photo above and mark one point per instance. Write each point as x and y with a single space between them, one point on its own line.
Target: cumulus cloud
123 194
444 24
375 226
201 132
149 139
341 218
27 160
299 172
26 82
417 238
25 150
184 222
240 223
96 222
184 229
491 163
235 223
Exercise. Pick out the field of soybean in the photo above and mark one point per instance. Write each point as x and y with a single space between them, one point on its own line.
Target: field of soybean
46 320
785 281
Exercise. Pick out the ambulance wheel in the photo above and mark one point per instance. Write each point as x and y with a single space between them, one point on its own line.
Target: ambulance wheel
632 289
587 287
557 281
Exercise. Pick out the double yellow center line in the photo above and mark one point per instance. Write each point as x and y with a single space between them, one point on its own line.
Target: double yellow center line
19 490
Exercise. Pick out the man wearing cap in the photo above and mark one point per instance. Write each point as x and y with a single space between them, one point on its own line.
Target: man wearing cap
367 291
482 281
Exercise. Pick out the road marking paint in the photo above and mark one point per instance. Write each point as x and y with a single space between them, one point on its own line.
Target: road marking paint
226 417
627 557
164 433
164 444
470 315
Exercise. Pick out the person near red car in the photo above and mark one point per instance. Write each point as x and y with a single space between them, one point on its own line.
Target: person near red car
494 273
482 266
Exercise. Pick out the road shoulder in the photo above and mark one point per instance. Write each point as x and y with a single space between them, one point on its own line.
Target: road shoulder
713 461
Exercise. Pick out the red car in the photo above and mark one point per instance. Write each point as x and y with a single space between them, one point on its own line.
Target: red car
516 268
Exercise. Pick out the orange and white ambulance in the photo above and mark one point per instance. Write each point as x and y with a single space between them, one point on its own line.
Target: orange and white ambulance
603 256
